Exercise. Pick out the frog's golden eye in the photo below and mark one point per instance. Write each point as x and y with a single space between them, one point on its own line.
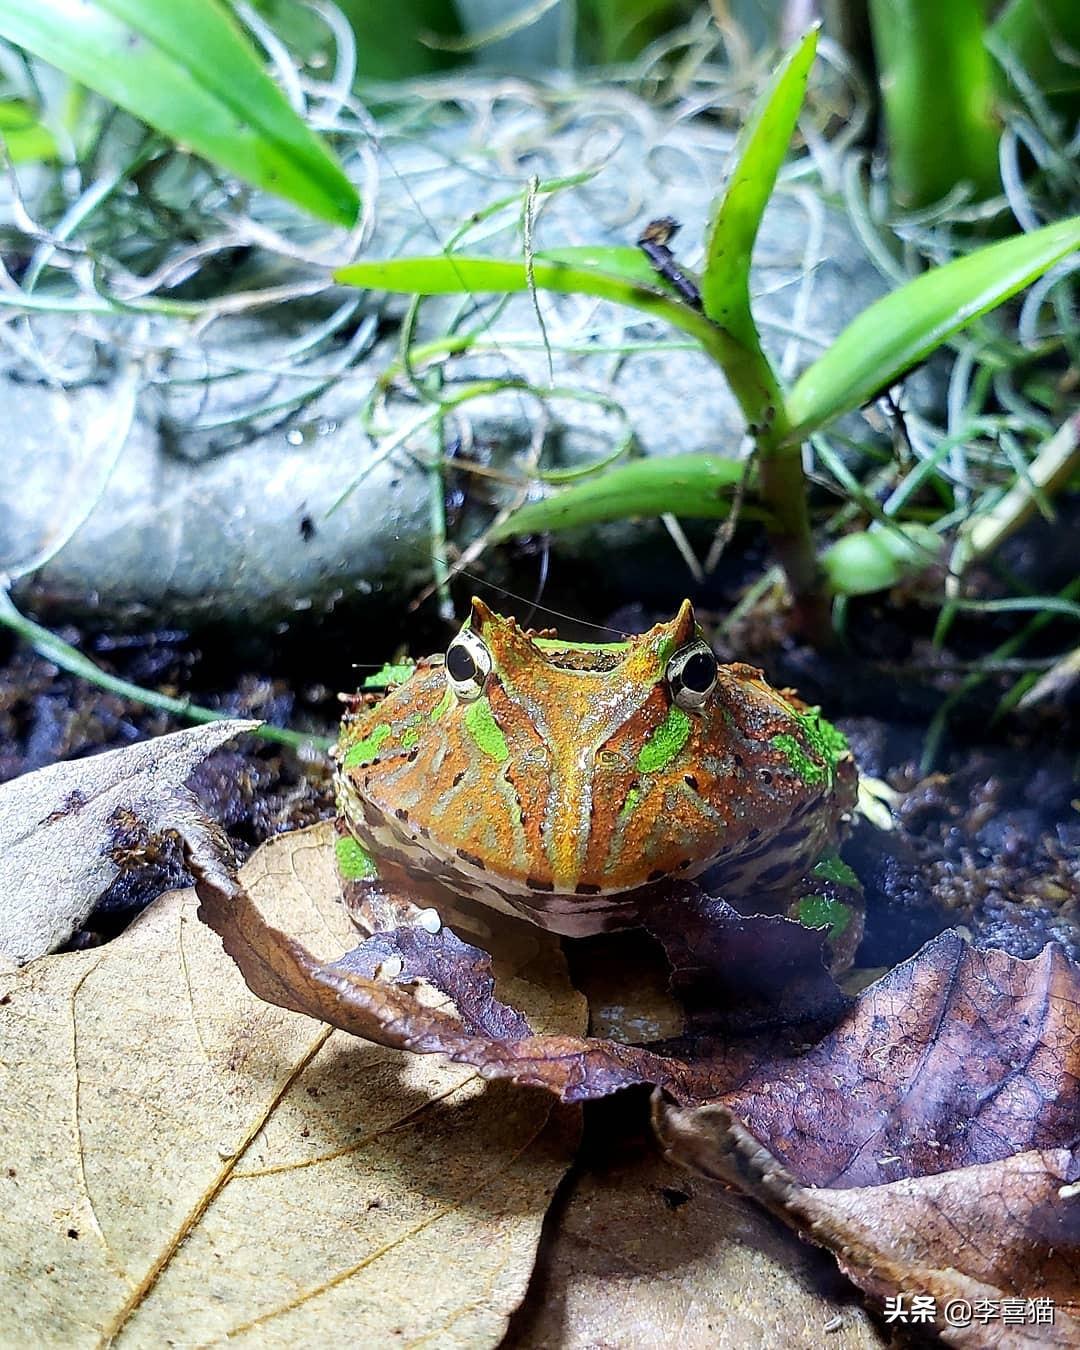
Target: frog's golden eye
468 664
691 675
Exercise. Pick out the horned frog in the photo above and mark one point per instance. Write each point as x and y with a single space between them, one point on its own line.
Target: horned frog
566 782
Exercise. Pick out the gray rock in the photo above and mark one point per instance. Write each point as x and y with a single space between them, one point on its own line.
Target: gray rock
249 533
171 471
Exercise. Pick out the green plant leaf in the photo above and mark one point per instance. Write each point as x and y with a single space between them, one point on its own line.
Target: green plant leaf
759 151
609 273
22 135
188 70
903 328
629 264
873 560
725 293
619 274
691 485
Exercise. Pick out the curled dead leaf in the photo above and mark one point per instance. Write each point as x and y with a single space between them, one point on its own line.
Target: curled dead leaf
61 829
371 991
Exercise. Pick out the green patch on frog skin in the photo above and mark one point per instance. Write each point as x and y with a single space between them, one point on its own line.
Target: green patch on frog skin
411 734
485 731
363 752
633 800
817 911
444 704
391 675
826 741
827 744
664 651
665 741
832 867
354 862
800 761
557 645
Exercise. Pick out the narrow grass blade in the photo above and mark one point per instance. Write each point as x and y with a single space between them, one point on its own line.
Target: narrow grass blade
759 152
693 485
903 328
1051 469
188 70
69 658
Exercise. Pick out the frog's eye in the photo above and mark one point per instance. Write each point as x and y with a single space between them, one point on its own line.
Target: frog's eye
468 664
691 674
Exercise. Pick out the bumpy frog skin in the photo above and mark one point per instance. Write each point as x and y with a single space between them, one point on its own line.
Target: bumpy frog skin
558 779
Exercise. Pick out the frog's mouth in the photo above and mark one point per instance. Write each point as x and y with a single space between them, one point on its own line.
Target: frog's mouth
764 868
568 914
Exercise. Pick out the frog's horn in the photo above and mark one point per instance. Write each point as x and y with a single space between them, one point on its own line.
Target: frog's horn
503 636
480 614
684 624
649 653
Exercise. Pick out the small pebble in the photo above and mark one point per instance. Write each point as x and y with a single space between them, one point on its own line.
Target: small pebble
429 920
391 968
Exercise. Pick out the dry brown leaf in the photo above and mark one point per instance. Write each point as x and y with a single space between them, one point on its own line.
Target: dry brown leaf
59 826
1004 1230
441 997
930 1140
183 1162
639 1253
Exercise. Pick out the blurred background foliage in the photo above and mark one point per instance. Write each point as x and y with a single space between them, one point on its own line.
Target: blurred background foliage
530 37
943 76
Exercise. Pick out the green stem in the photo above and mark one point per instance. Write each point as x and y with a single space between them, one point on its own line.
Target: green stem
782 487
937 91
69 658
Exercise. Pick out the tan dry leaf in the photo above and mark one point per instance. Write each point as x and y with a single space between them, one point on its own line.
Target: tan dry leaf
182 1162
58 827
642 1254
